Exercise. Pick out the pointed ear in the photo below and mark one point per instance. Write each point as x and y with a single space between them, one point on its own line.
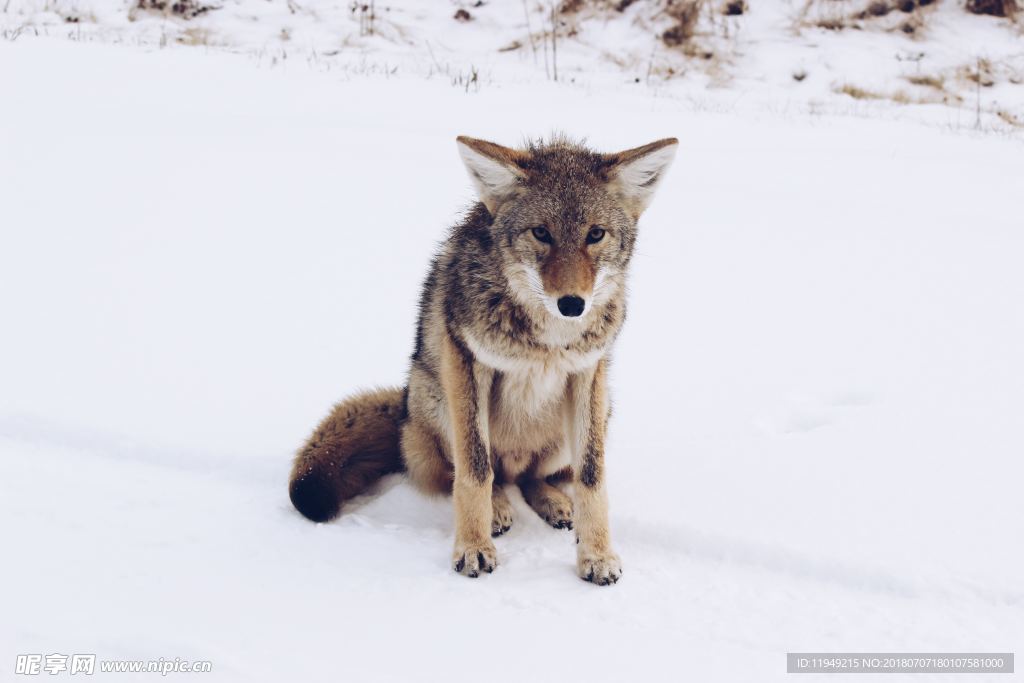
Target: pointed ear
634 175
494 170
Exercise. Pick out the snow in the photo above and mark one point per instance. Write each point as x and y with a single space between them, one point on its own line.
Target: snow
816 441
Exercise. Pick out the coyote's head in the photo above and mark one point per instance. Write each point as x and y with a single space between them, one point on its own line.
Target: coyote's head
564 217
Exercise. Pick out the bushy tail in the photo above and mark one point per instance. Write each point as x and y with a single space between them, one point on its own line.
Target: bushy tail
356 444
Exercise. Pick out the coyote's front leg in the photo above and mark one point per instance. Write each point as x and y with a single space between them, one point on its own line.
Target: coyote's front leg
588 420
467 389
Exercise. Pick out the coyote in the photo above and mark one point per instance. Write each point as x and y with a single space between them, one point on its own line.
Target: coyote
508 381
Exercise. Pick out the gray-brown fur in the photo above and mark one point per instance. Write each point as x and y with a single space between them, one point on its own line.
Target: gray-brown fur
351 448
508 377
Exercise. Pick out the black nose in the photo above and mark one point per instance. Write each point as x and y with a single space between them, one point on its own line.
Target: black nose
571 306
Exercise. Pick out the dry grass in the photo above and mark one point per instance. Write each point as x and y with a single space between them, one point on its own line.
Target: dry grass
981 72
194 36
858 93
1013 120
936 82
935 92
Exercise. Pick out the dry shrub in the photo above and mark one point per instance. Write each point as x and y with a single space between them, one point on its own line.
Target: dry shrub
831 23
186 9
734 8
909 6
878 8
689 26
995 8
574 6
684 14
832 16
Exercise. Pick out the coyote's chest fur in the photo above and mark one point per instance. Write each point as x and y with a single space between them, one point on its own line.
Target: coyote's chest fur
528 396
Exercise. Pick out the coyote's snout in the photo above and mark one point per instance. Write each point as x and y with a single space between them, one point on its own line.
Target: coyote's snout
508 380
571 306
568 275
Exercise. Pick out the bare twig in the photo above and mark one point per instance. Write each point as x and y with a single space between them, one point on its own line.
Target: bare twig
650 64
529 31
547 70
554 40
977 95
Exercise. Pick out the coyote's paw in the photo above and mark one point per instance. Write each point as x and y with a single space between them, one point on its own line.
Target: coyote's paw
553 505
469 559
556 509
502 519
602 568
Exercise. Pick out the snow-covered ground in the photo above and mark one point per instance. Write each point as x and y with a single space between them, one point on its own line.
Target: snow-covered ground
954 69
817 437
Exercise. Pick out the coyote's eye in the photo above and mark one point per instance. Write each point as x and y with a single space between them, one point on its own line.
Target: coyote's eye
541 234
595 235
